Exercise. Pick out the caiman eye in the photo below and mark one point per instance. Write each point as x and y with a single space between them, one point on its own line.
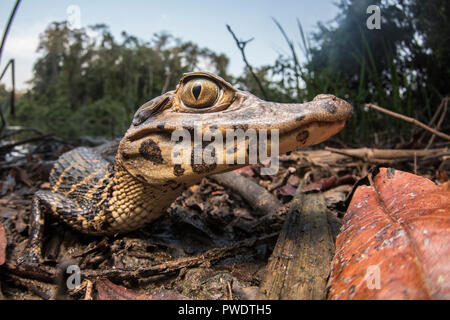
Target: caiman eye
200 93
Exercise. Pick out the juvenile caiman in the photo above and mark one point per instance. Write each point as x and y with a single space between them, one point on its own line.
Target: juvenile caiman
96 197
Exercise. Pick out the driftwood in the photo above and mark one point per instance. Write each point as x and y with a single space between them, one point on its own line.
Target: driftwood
261 200
301 261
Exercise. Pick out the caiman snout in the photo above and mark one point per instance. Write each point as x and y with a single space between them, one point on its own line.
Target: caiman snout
204 105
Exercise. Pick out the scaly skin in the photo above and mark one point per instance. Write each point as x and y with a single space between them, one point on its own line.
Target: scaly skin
95 197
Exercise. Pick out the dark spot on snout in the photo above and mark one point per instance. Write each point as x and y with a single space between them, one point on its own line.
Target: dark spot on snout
303 136
125 156
150 150
331 108
178 170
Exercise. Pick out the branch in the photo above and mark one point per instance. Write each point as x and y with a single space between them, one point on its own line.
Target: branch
410 120
13 83
241 45
8 26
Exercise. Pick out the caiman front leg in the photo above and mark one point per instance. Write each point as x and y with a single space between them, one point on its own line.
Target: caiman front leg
44 204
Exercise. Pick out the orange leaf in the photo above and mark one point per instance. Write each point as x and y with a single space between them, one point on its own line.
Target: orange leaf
394 241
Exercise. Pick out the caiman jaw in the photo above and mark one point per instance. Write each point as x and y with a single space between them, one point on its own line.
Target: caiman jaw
208 102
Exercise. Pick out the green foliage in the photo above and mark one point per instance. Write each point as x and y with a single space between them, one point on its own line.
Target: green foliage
387 67
90 85
87 83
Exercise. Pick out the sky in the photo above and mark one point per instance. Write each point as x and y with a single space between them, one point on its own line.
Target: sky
200 21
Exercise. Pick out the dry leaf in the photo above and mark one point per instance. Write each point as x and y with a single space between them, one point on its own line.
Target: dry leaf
288 190
394 241
321 185
2 244
245 171
109 291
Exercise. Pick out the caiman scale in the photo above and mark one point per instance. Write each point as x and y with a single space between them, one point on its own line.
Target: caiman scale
96 197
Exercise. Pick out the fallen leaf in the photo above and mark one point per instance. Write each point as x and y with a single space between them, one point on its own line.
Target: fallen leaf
394 241
322 184
2 244
109 291
245 171
287 190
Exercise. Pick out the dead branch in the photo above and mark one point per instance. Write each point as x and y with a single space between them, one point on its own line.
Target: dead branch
377 155
433 119
7 147
408 119
300 263
261 200
241 45
8 26
441 120
50 274
205 258
34 286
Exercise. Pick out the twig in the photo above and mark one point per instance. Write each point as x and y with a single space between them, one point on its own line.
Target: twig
368 154
241 45
32 286
408 119
13 84
15 144
50 274
207 257
441 119
433 119
8 26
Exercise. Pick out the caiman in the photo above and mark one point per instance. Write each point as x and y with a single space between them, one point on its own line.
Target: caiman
96 197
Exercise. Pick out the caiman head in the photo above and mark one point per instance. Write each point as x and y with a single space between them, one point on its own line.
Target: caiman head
204 105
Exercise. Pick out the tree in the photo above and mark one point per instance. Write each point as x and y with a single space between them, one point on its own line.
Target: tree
92 85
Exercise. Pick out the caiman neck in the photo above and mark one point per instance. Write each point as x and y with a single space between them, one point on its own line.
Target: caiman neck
134 202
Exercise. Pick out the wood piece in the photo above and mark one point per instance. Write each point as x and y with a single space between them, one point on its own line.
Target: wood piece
261 200
301 261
